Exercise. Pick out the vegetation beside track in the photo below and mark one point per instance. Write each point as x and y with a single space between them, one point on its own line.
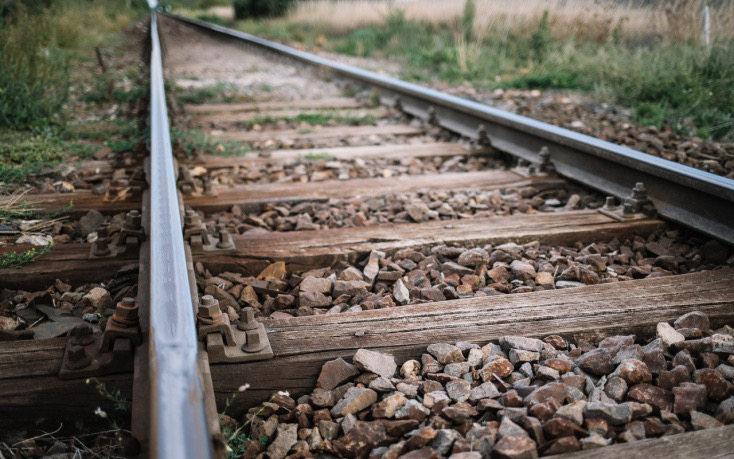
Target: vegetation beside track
62 87
650 58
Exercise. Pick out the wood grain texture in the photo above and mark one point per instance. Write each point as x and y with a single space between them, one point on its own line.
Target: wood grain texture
83 201
421 150
303 344
302 250
337 102
68 262
323 133
716 443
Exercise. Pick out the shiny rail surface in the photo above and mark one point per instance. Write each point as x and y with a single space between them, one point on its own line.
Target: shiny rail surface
691 197
178 424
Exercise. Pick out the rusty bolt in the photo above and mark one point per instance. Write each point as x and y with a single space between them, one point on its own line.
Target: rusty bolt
609 203
209 307
133 220
100 247
126 310
81 334
76 353
253 343
247 319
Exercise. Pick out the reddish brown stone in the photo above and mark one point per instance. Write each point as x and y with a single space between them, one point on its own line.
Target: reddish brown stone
542 411
321 415
717 387
710 360
596 426
335 373
500 367
560 365
558 427
689 397
361 439
400 427
654 428
517 447
511 399
673 378
552 391
556 341
421 438
423 453
460 412
634 372
597 362
563 445
657 397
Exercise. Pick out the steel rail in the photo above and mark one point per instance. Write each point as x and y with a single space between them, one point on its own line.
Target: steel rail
691 197
178 421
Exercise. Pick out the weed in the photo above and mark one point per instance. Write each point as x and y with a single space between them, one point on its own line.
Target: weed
315 119
115 396
25 153
34 72
316 156
236 439
17 260
195 142
219 93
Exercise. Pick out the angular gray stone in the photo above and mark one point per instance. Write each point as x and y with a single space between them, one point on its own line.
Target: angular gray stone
510 429
518 355
380 364
522 343
355 400
458 389
316 285
446 353
90 222
286 437
614 414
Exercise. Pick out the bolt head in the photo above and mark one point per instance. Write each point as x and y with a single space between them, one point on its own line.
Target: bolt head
128 301
209 307
81 331
76 353
129 313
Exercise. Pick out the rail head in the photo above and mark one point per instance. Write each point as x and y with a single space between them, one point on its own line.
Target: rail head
688 196
177 407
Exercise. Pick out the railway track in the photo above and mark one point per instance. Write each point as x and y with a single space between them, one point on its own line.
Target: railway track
388 221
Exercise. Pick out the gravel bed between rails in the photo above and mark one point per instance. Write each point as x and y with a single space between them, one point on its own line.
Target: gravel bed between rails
445 273
317 169
403 208
515 398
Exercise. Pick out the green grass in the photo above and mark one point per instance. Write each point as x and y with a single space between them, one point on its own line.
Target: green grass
221 93
15 260
194 142
683 85
26 153
315 119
